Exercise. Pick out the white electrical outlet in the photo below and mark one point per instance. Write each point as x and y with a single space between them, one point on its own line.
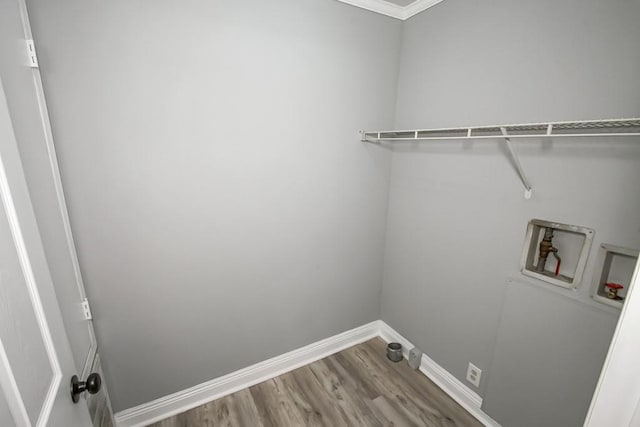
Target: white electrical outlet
473 374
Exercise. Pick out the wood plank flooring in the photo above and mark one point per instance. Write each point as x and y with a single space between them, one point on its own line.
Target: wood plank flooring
356 387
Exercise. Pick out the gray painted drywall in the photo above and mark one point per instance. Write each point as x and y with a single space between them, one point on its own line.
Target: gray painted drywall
223 208
5 414
457 216
553 386
218 198
636 415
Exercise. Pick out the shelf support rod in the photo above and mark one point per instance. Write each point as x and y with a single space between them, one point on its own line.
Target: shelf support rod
516 162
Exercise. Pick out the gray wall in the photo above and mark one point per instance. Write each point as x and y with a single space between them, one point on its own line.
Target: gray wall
223 208
5 414
225 213
457 216
549 352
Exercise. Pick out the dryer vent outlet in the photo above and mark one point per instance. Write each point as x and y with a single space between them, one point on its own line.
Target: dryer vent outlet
415 358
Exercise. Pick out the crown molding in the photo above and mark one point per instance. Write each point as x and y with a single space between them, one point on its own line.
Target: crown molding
393 10
378 6
418 6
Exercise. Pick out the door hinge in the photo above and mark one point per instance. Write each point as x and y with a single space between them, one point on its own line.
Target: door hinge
86 310
31 53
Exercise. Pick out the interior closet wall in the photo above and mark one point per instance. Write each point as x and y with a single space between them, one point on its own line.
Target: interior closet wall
223 208
457 216
5 413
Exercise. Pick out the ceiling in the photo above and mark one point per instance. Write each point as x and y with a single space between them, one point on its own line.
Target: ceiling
399 9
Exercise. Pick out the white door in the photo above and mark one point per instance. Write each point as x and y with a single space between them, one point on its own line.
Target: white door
30 119
36 363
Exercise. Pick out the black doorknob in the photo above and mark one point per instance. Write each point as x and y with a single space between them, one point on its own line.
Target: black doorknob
92 385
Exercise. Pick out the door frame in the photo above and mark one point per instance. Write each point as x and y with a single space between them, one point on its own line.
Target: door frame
57 180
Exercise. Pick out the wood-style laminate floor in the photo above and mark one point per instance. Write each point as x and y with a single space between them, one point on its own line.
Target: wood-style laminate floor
358 386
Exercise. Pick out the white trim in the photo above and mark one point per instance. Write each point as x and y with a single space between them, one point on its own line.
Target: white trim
57 181
8 381
190 398
619 383
29 277
418 6
391 9
64 213
12 391
435 372
467 398
379 6
184 400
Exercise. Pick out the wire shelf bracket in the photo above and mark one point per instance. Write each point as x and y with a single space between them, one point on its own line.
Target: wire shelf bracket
514 157
584 128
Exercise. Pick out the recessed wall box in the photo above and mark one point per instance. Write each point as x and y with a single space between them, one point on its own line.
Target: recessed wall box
613 275
556 253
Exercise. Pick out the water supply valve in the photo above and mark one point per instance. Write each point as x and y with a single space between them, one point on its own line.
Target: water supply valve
546 239
612 290
546 248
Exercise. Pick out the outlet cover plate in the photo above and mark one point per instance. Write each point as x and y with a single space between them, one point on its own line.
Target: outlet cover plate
474 374
415 358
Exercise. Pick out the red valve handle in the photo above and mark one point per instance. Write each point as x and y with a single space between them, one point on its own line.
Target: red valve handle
614 286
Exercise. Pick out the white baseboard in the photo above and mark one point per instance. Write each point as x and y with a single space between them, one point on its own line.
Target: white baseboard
467 398
190 398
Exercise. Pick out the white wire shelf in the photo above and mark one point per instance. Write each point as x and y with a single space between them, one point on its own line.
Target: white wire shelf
585 128
591 128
